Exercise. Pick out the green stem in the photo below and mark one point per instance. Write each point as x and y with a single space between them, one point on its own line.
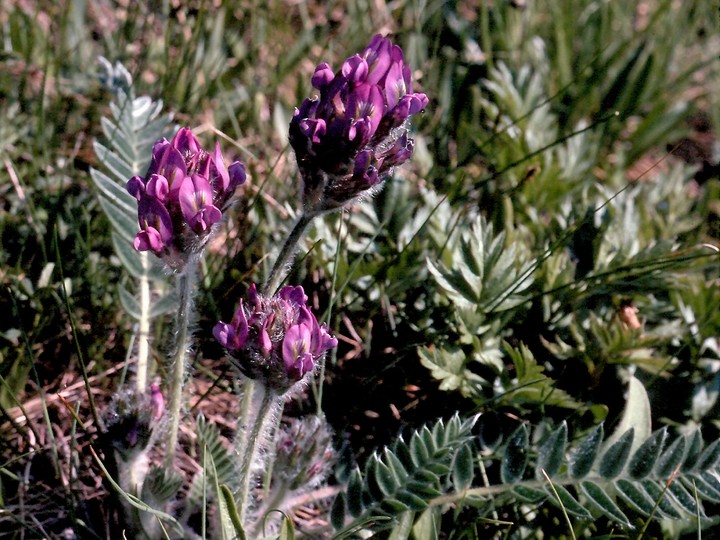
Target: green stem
256 438
178 369
287 253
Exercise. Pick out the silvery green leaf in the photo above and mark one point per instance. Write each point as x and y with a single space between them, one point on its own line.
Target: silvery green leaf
656 493
582 457
118 167
419 452
412 500
635 496
403 526
355 493
683 498
128 255
614 459
427 525
600 499
636 415
529 494
422 489
337 511
567 501
695 444
709 457
515 457
164 304
116 194
671 458
552 453
463 468
395 465
392 506
385 479
129 303
706 484
644 459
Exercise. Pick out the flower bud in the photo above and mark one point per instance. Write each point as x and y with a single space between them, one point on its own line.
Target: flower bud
304 455
130 421
181 197
346 141
276 340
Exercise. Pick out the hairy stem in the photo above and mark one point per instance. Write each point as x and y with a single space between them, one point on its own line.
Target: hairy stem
141 380
178 369
274 499
261 405
287 253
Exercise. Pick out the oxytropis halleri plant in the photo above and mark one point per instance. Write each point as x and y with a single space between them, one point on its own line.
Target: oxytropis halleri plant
180 199
347 141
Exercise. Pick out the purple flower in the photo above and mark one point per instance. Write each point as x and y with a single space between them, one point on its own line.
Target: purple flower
348 139
277 339
181 197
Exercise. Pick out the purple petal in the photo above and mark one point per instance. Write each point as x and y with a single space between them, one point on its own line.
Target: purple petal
224 335
395 85
313 129
366 171
293 294
263 337
327 341
296 343
355 69
253 298
158 187
152 214
196 203
217 172
237 175
186 142
365 103
167 161
136 187
379 56
306 317
307 108
322 77
240 324
158 154
205 218
399 152
149 239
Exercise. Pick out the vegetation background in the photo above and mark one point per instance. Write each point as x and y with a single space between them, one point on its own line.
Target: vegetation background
555 236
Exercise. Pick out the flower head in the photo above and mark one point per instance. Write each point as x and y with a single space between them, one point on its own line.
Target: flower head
131 419
181 197
349 138
304 455
277 339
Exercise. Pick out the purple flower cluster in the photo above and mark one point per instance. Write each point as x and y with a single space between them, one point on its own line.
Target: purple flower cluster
347 140
277 339
181 197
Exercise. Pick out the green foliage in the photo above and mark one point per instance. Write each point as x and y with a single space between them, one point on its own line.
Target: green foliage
482 271
403 480
219 469
626 479
135 125
620 484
